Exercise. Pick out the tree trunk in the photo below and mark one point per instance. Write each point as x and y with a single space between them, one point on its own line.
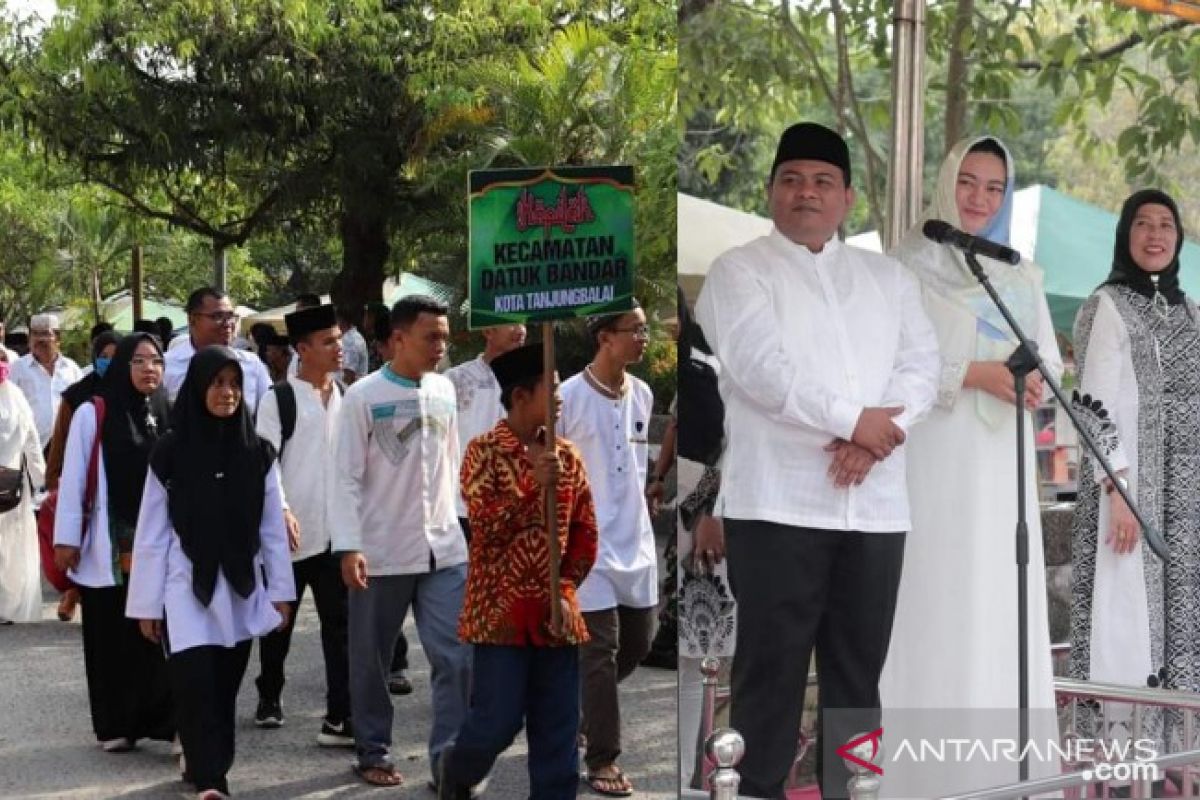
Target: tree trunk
365 248
956 75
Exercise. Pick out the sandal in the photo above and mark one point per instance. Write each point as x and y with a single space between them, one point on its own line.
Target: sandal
611 784
380 774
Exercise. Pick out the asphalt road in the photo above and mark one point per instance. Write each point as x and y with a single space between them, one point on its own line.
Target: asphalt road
47 749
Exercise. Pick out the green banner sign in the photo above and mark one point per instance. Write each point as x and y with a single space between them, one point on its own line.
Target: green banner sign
550 243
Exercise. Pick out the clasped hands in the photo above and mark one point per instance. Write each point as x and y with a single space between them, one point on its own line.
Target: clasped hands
875 436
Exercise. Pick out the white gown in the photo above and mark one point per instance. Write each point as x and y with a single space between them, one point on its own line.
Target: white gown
20 565
952 665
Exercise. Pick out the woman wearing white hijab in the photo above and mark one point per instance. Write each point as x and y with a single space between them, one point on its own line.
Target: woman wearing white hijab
954 640
20 576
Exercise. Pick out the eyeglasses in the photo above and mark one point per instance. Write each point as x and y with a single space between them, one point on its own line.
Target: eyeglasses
640 332
142 363
219 317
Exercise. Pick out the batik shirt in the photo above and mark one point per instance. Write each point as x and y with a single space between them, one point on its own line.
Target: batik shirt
508 582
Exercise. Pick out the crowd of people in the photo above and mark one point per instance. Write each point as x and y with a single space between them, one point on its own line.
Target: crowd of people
201 488
863 505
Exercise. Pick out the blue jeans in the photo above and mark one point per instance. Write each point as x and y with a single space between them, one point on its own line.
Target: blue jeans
537 685
376 616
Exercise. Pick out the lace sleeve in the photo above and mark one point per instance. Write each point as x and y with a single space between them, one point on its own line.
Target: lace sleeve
701 499
950 383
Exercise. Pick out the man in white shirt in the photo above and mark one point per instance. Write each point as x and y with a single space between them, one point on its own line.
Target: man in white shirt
301 419
43 373
606 413
827 360
355 346
397 534
212 320
478 394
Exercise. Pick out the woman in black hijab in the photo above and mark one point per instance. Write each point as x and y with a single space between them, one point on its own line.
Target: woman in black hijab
1138 352
211 564
127 676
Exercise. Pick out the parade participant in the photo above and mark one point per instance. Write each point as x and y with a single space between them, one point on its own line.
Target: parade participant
827 359
212 321
356 356
104 345
128 687
44 373
395 529
478 395
20 449
525 670
300 419
606 413
210 558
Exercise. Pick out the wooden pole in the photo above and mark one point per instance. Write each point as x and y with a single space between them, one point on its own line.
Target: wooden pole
135 280
548 361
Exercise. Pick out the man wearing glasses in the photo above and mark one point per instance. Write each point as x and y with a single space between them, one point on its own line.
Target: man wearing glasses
211 320
606 413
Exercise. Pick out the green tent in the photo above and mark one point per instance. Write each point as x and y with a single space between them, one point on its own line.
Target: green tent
1074 246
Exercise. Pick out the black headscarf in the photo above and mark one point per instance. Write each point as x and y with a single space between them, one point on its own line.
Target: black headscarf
133 423
213 470
1125 271
82 390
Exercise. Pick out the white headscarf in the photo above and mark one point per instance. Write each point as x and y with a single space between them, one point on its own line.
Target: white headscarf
969 326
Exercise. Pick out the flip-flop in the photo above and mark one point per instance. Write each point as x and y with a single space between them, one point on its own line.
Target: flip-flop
380 775
618 778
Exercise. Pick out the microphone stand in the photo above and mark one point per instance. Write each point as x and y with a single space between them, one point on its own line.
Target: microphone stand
1024 360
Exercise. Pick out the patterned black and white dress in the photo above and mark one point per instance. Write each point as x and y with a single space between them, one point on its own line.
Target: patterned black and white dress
1131 615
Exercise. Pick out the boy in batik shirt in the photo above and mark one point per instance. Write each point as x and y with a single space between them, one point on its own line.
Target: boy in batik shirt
526 667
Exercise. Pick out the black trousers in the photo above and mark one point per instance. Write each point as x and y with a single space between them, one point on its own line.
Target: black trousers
128 688
324 574
205 681
800 589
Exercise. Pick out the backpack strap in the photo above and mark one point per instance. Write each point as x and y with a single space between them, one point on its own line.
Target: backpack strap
285 396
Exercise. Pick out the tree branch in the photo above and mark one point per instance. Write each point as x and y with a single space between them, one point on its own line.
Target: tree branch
1128 43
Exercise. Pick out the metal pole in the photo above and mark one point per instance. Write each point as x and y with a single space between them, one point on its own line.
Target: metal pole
710 666
725 748
907 162
220 267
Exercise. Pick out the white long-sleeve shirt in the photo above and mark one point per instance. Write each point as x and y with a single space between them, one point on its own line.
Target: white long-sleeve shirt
397 474
256 380
612 435
44 390
308 471
806 341
479 409
161 580
96 560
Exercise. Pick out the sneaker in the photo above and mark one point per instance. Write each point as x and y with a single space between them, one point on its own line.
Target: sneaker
269 714
119 745
339 735
399 683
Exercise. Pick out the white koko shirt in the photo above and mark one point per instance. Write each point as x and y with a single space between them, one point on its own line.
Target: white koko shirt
397 474
43 390
479 408
806 341
613 437
307 467
256 380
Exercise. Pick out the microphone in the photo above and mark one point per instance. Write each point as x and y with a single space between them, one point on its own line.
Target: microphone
945 233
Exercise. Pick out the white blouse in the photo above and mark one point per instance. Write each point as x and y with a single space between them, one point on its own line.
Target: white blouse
95 568
160 586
